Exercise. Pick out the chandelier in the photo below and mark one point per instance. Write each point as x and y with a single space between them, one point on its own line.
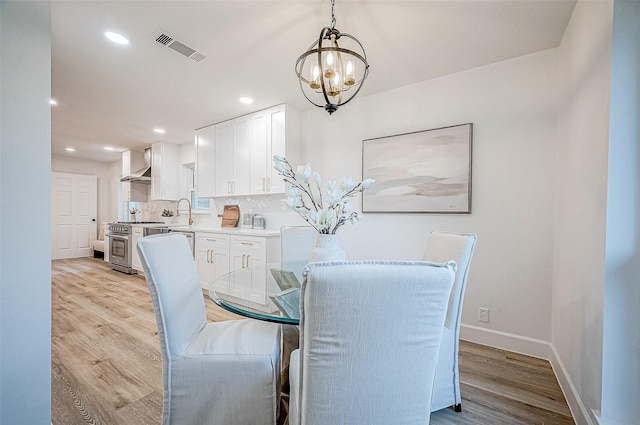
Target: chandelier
331 74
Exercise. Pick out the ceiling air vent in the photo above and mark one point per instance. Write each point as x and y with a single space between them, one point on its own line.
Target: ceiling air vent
169 41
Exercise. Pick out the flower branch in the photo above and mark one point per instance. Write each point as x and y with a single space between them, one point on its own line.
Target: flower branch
305 196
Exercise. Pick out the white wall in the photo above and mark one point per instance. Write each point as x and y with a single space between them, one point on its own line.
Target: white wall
25 218
67 164
115 189
511 105
581 197
621 329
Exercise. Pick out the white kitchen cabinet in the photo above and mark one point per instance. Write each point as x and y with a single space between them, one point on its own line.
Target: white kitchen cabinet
132 161
212 257
233 157
205 141
246 252
165 165
276 131
136 233
107 250
224 250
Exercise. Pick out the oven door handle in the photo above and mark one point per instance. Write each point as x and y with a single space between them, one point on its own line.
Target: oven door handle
125 237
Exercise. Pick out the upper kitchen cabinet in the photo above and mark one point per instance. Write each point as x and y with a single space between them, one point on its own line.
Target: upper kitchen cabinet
133 161
276 131
165 165
233 157
205 185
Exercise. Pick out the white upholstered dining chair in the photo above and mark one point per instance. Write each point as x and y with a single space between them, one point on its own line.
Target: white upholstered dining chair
365 331
213 373
445 246
296 244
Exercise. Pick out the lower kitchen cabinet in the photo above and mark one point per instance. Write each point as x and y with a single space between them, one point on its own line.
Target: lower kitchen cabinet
246 252
136 233
224 251
212 256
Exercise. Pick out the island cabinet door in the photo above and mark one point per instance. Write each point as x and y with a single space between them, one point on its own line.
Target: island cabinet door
246 252
212 254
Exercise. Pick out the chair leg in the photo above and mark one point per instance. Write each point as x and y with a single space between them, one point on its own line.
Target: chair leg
283 418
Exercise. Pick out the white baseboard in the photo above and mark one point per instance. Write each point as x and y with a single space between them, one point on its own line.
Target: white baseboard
603 421
535 348
507 341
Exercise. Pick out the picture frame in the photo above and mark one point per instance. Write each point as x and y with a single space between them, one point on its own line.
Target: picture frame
426 171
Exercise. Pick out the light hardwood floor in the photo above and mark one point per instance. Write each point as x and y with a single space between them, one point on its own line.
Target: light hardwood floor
107 368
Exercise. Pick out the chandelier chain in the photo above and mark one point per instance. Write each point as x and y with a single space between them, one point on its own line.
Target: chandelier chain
333 15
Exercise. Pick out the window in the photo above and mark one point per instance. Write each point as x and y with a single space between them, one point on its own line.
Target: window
197 204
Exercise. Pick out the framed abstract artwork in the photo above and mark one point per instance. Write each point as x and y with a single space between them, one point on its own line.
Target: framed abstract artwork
422 172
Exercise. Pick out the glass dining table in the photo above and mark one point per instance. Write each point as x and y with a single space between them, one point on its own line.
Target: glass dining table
264 292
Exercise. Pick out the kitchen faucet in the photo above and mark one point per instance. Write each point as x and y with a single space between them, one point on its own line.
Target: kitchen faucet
178 210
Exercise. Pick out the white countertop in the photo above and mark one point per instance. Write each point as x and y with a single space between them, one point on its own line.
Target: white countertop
226 230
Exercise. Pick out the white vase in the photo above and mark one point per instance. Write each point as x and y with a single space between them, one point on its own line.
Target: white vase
327 249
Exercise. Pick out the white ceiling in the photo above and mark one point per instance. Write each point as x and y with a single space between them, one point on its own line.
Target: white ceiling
111 95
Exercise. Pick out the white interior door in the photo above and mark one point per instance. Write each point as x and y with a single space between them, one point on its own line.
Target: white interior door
73 214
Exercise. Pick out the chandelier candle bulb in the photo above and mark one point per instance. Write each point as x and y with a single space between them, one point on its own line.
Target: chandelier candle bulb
329 73
315 76
333 86
349 78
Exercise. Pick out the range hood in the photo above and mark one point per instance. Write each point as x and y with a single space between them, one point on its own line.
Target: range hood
142 175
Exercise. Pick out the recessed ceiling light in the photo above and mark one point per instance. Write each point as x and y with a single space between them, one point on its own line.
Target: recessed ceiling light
70 149
246 100
116 38
53 101
159 130
108 148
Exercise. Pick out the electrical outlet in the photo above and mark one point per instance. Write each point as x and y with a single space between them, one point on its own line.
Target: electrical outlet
483 314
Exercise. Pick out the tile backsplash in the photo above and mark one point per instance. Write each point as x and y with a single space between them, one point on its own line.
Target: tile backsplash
269 206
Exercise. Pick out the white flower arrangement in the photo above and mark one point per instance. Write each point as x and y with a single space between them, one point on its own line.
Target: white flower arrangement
305 196
133 210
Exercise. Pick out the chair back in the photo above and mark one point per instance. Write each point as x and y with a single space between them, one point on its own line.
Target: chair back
445 246
366 330
174 285
297 243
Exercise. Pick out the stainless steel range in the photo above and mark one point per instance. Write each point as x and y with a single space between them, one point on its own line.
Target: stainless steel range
121 244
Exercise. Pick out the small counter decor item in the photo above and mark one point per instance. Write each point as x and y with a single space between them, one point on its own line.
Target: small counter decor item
230 216
133 212
167 216
325 213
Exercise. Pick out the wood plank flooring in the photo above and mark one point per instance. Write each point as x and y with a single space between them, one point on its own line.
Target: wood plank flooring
107 367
